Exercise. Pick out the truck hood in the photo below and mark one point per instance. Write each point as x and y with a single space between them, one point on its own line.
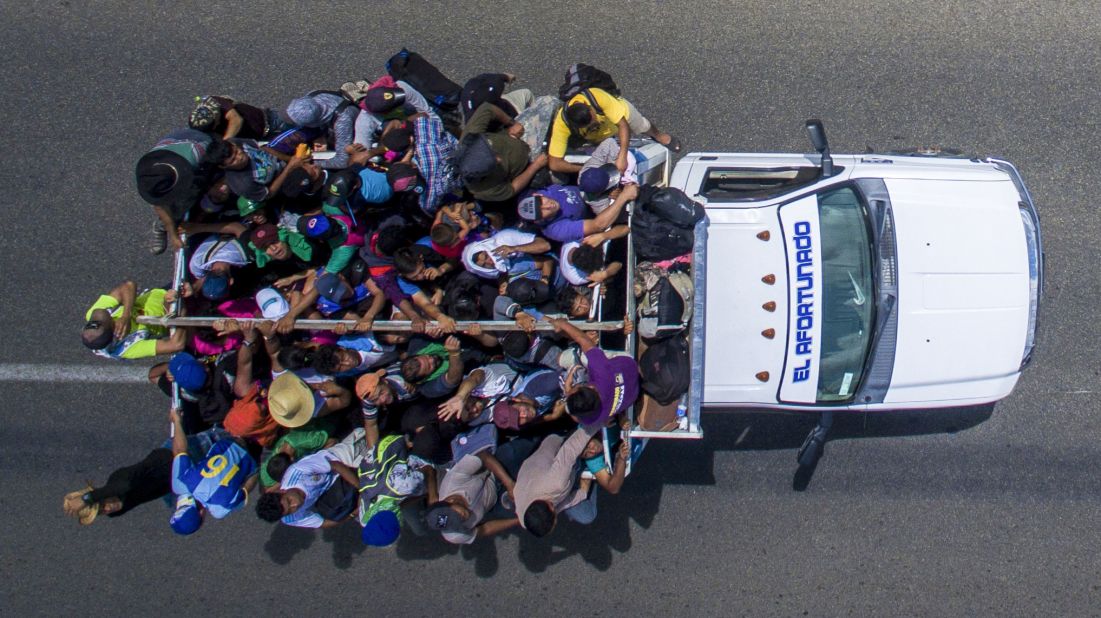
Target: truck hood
962 289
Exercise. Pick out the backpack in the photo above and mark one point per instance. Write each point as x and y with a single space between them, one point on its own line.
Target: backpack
666 307
411 67
670 204
580 77
666 369
345 101
656 239
485 88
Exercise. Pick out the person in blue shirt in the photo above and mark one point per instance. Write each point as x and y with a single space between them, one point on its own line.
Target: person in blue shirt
218 484
337 299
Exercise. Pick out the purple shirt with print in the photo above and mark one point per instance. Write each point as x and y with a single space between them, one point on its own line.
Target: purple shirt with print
615 379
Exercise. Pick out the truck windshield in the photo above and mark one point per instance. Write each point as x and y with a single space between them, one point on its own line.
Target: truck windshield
848 298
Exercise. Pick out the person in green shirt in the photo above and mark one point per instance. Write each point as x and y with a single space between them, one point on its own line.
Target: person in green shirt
111 329
293 446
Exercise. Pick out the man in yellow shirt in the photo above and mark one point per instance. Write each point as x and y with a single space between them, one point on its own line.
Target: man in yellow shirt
594 115
112 329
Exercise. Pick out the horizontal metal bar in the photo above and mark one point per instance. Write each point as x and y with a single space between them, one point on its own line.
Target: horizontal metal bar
399 326
675 434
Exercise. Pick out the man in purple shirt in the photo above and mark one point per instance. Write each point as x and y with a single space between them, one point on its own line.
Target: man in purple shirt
613 382
560 212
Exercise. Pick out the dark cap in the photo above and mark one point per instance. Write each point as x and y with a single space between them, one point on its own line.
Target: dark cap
599 180
265 236
528 208
164 178
476 158
382 99
443 518
296 183
105 337
528 291
215 287
331 287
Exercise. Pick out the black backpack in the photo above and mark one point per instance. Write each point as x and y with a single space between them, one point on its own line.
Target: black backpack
411 67
580 77
670 204
666 370
657 239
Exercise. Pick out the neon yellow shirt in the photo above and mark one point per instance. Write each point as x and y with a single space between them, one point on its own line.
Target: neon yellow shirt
149 302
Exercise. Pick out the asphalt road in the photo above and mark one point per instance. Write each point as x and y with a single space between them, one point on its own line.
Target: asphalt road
975 512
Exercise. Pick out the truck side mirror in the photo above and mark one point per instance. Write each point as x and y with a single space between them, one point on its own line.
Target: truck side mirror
817 134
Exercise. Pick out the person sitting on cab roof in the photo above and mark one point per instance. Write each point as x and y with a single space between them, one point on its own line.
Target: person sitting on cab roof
559 211
594 115
111 328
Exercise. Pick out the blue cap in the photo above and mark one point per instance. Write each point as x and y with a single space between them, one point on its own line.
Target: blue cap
315 226
381 530
187 518
188 372
374 187
330 287
216 287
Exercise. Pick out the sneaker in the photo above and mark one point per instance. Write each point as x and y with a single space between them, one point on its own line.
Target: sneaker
158 239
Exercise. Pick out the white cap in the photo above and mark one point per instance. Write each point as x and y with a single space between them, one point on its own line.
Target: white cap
272 304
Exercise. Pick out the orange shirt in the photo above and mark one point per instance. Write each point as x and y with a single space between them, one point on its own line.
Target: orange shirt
247 421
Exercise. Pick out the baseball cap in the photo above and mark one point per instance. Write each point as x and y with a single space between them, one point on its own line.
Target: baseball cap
315 226
476 158
188 372
528 208
506 415
246 207
215 287
367 383
265 236
290 401
442 518
272 304
381 530
528 292
596 181
331 287
402 177
304 112
383 99
187 518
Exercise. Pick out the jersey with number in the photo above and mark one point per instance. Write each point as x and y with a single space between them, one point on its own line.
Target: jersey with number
216 482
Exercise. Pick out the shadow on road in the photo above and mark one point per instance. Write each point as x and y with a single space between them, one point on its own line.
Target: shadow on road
665 462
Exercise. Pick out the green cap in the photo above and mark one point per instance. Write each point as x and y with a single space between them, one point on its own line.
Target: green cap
246 207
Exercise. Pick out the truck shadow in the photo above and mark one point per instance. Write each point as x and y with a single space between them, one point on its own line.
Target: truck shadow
665 462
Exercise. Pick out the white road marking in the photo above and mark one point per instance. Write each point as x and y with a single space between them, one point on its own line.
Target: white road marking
28 372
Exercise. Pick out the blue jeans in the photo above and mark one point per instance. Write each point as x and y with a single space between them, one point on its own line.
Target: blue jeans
584 513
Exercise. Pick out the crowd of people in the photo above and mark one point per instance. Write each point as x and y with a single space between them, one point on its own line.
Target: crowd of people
374 203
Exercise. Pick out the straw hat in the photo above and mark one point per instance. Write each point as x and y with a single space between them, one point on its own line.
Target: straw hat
75 507
290 401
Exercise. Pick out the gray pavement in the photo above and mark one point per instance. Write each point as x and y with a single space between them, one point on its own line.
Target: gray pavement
970 512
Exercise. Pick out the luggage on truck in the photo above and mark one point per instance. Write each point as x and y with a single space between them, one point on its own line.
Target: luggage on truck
665 306
580 77
441 93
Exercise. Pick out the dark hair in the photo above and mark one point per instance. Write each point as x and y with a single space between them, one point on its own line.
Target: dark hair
583 402
294 357
564 298
278 464
405 261
465 308
393 237
398 138
578 115
539 518
443 234
516 344
217 152
327 358
587 259
409 368
270 507
462 297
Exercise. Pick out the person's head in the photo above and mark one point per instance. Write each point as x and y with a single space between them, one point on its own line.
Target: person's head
513 413
464 307
293 357
333 287
539 518
318 227
444 235
393 237
381 530
587 259
484 259
216 284
416 368
188 516
235 157
304 112
269 507
374 389
187 372
383 100
278 464
403 177
273 305
447 515
206 115
410 264
538 207
593 447
583 404
332 359
528 292
99 330
579 115
574 301
515 344
595 182
397 136
266 238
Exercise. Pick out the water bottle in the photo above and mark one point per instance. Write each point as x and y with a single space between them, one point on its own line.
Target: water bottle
682 417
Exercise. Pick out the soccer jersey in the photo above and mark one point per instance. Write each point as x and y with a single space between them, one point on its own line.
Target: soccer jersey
217 482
